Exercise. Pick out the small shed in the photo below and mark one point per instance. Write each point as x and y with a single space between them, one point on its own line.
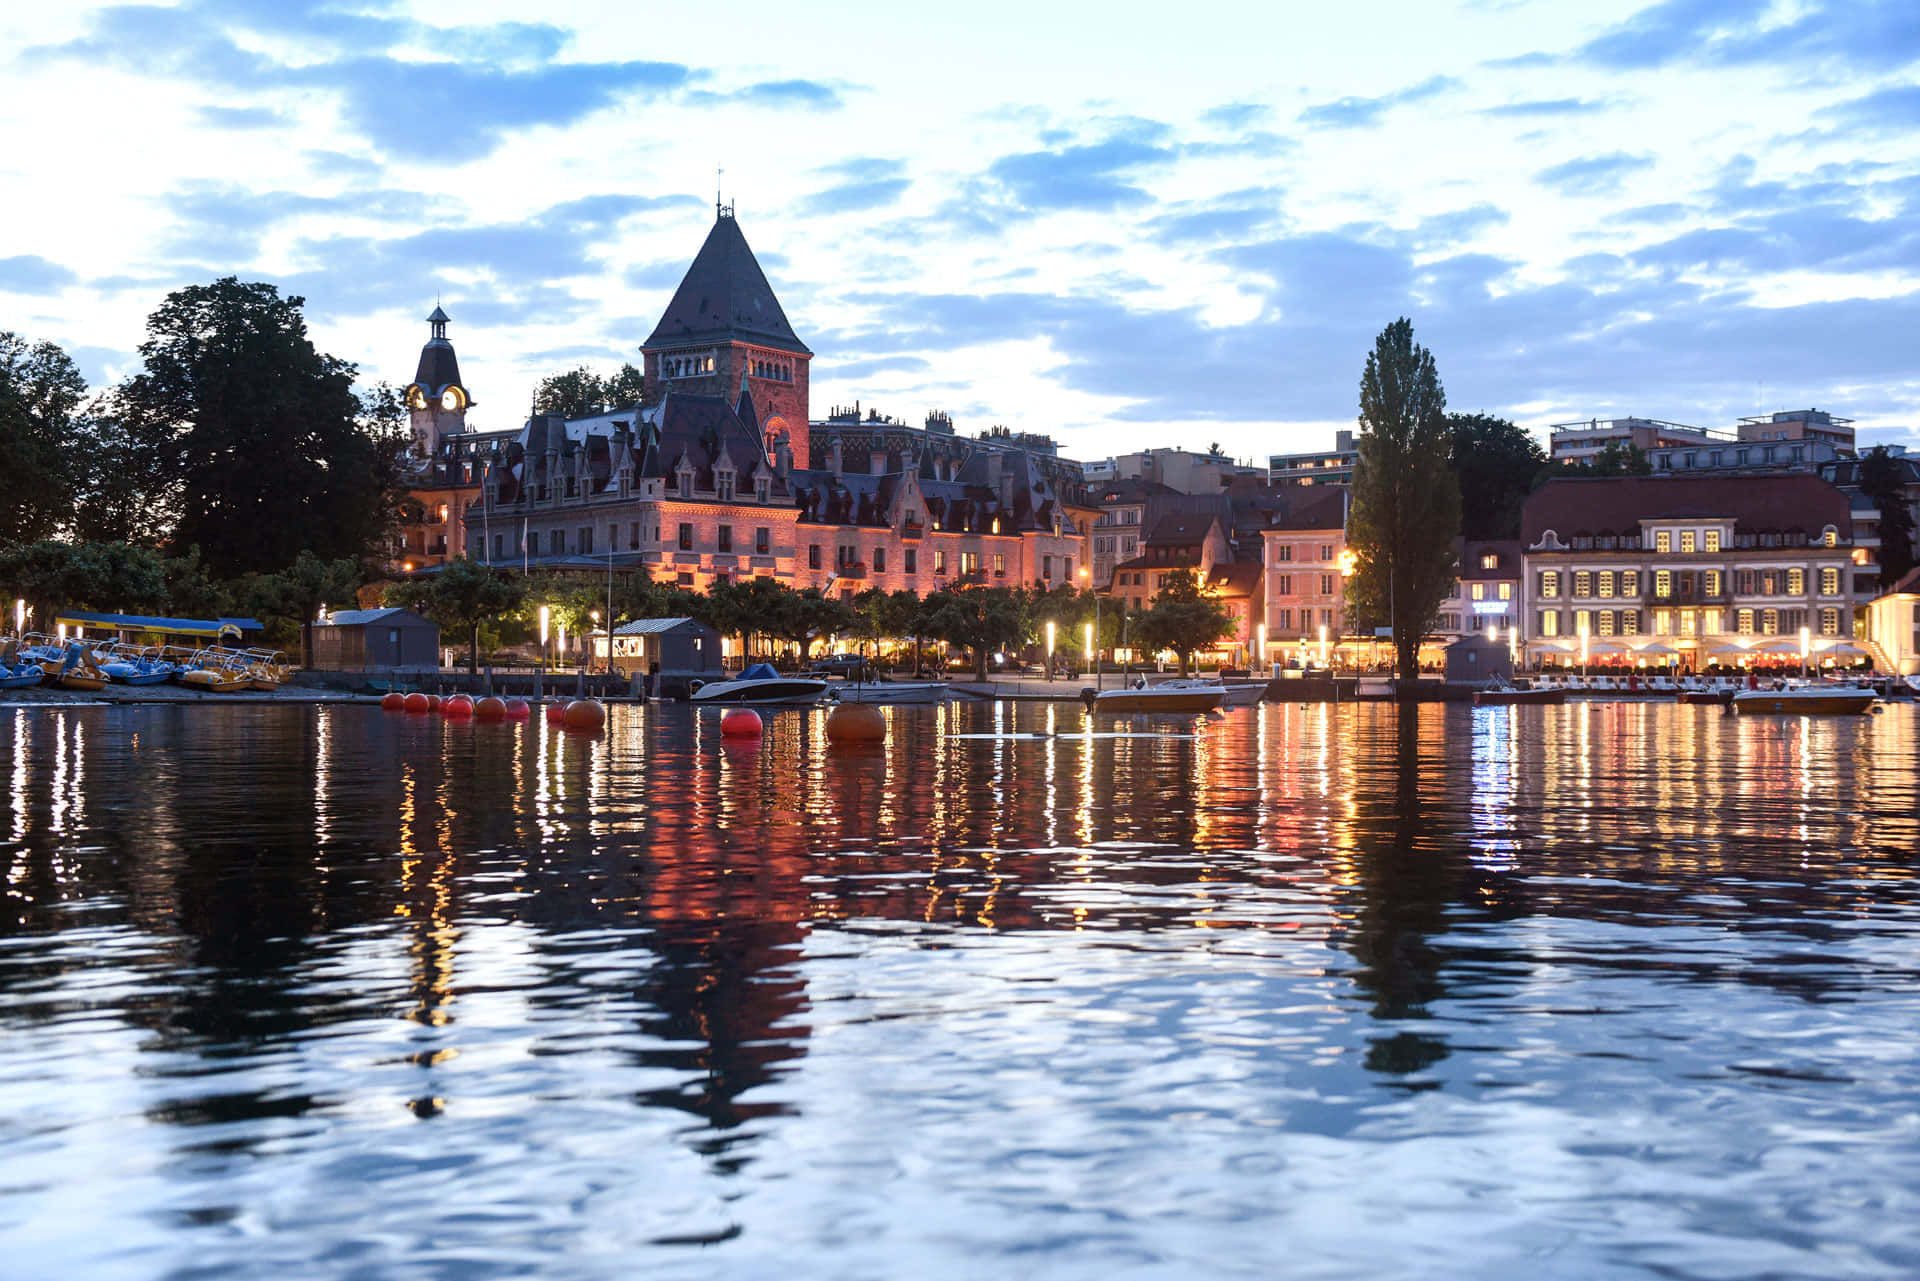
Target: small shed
353 639
1477 659
681 646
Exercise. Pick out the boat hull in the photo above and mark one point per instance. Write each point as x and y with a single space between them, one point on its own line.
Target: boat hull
1702 696
1794 702
213 682
1133 701
1520 697
87 684
24 680
761 692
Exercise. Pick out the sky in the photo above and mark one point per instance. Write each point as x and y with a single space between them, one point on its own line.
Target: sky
1123 225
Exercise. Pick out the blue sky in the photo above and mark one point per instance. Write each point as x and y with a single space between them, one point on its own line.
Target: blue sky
1123 224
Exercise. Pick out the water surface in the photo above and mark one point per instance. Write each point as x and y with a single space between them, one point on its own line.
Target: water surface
1604 990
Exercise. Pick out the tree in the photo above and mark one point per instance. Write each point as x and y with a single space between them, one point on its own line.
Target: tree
256 440
982 619
1182 618
1883 479
1405 511
40 389
109 577
1616 458
581 393
125 487
297 592
1496 464
462 594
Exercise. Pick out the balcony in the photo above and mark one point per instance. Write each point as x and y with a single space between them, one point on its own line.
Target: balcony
850 569
972 576
1681 600
912 529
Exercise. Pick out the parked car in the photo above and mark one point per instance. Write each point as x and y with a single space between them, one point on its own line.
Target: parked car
839 665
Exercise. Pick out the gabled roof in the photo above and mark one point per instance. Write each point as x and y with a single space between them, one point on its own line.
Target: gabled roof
1617 504
725 296
1236 577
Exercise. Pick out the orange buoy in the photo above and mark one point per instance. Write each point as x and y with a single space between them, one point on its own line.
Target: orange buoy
489 709
418 703
517 709
740 722
856 723
394 703
585 714
435 703
458 708
556 712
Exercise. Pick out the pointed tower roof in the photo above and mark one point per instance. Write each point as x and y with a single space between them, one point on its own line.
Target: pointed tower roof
725 296
439 367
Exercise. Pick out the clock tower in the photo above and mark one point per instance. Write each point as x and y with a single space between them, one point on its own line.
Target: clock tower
436 398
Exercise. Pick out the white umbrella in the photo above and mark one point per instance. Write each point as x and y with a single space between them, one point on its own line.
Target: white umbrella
1657 648
1599 645
1549 646
1728 649
1840 647
1781 646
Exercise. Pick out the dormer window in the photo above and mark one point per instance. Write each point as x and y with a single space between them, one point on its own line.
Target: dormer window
684 479
723 486
762 489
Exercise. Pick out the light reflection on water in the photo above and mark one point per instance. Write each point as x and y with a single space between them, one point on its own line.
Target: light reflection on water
1601 990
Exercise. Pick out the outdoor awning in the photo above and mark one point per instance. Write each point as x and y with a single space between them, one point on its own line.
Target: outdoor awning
1657 648
213 627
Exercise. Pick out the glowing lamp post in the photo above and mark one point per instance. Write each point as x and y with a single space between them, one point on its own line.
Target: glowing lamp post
1050 631
1260 639
539 689
19 617
1093 630
1584 636
1805 637
1324 662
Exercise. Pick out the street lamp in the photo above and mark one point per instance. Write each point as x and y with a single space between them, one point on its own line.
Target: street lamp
1050 629
1805 636
1585 635
19 617
1093 630
1261 633
1324 661
539 688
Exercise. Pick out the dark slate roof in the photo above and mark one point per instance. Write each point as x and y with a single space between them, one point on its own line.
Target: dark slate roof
1617 504
725 296
1237 577
1507 550
1180 530
1130 490
1312 507
704 429
439 367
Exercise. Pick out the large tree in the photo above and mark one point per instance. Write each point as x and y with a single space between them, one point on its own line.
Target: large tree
296 593
1496 463
1182 618
982 619
257 439
1405 511
113 578
40 390
1883 479
462 594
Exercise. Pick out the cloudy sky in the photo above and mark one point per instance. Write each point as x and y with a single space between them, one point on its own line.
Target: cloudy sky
1123 224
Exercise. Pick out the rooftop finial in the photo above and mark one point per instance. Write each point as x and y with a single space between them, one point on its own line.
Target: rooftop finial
720 208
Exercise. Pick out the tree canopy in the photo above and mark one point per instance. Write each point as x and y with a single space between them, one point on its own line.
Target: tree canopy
40 392
1183 617
1406 502
581 393
1497 464
110 577
1882 480
981 619
250 443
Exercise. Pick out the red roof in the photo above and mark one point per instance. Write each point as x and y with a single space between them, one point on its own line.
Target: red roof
1617 504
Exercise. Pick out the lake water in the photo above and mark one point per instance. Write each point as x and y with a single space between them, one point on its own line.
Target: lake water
1595 991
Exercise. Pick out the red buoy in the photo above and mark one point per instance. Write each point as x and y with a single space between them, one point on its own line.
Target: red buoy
489 709
585 714
458 708
417 702
394 703
556 712
740 722
517 709
434 703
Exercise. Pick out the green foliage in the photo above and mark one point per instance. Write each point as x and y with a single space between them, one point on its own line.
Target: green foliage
1182 618
463 594
1496 463
291 599
112 578
1616 459
40 392
251 441
981 619
1883 480
581 393
1405 513
192 591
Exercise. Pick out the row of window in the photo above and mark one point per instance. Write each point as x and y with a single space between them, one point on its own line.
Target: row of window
780 371
1104 546
1706 540
1283 552
1283 584
696 365
1283 621
1685 622
1610 584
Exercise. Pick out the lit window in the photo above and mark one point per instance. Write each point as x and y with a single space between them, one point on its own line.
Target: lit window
1506 591
1686 540
1829 622
1629 583
1743 622
1490 561
1606 583
1582 583
1479 591
1796 582
1663 540
1712 537
1829 582
1550 584
1549 622
1663 583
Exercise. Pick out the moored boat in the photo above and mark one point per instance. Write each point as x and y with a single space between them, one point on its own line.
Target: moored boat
890 692
1806 700
1185 697
1502 695
761 684
1230 695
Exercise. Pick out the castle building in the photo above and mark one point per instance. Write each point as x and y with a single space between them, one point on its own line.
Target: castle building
448 458
721 472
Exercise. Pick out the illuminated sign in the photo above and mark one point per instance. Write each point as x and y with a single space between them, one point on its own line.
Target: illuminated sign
1491 606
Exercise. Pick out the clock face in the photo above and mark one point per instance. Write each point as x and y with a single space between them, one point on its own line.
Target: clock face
416 399
450 399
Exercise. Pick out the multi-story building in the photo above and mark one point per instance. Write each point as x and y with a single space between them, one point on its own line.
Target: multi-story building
1122 510
1304 562
1891 626
1583 441
1333 467
698 489
1486 595
1708 566
1181 470
1803 425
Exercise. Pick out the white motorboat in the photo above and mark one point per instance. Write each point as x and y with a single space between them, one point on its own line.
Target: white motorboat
1230 695
1807 700
889 692
1183 696
761 684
